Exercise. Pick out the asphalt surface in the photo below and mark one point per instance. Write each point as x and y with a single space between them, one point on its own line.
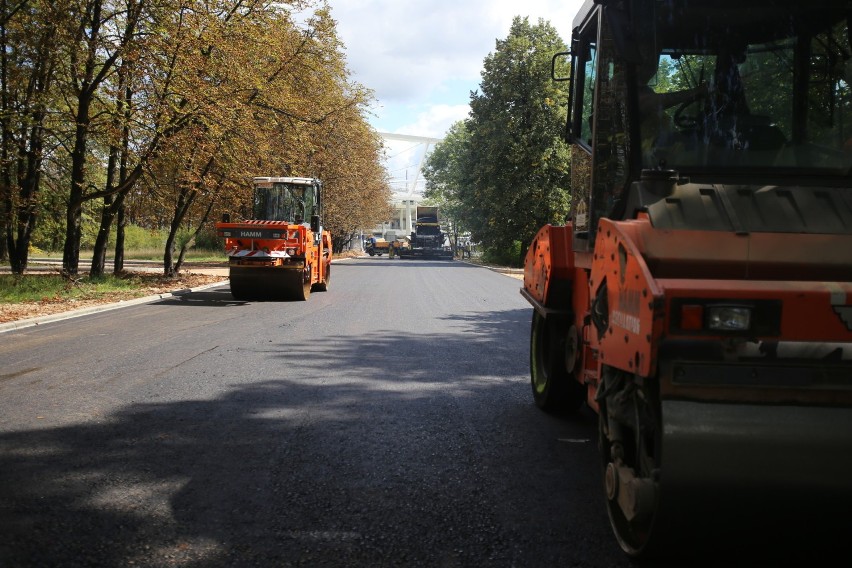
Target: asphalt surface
386 422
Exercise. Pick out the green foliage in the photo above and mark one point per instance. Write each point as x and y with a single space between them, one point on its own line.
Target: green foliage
136 238
207 239
509 256
446 170
163 112
49 232
139 238
505 172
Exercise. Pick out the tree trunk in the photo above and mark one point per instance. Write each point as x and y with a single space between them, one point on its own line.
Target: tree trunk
73 215
29 179
185 198
107 216
117 161
4 231
21 153
121 222
191 242
168 254
71 250
120 210
102 240
6 222
19 257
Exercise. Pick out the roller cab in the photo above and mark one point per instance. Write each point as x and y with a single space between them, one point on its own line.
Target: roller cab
699 297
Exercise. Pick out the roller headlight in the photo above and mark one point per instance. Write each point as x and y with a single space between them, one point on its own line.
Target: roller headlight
728 318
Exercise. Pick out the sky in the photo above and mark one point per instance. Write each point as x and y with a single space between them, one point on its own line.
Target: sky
422 58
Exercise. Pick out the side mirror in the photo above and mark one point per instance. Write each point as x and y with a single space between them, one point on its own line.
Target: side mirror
315 223
226 217
562 55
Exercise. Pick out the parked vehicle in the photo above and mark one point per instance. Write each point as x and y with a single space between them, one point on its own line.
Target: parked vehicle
376 246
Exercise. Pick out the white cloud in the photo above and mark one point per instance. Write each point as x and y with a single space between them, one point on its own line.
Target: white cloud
404 50
435 120
409 51
422 58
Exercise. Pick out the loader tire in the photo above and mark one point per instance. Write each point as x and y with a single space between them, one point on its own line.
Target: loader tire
553 385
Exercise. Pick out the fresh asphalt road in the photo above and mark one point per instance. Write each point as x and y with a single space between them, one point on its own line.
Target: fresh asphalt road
386 422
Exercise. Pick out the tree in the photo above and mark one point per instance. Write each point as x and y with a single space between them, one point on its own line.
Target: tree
161 112
116 174
99 34
519 165
357 190
27 70
447 170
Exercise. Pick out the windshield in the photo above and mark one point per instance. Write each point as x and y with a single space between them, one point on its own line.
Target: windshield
284 202
757 87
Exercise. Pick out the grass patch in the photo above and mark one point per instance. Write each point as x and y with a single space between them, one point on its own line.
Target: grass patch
55 288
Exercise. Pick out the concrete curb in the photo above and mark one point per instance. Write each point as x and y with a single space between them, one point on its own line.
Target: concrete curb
500 269
30 322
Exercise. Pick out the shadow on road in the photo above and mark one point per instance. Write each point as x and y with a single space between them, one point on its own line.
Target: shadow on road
377 451
217 297
353 451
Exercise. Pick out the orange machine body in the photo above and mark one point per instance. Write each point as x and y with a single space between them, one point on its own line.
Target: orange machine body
276 255
657 285
699 297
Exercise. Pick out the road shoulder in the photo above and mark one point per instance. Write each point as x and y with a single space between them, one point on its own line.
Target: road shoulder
40 320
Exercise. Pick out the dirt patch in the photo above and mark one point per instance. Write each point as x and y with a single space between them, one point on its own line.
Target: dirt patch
148 285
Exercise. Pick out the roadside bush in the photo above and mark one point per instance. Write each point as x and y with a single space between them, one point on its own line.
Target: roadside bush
208 240
139 238
504 257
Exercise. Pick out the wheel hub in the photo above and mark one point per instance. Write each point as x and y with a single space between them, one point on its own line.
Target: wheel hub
635 496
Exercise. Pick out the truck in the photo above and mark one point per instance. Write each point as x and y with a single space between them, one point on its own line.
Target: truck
427 239
698 298
376 246
282 252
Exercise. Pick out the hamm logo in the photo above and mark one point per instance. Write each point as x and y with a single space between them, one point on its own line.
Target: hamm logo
251 234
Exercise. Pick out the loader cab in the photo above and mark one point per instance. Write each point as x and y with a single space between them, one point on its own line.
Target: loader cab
721 92
294 200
